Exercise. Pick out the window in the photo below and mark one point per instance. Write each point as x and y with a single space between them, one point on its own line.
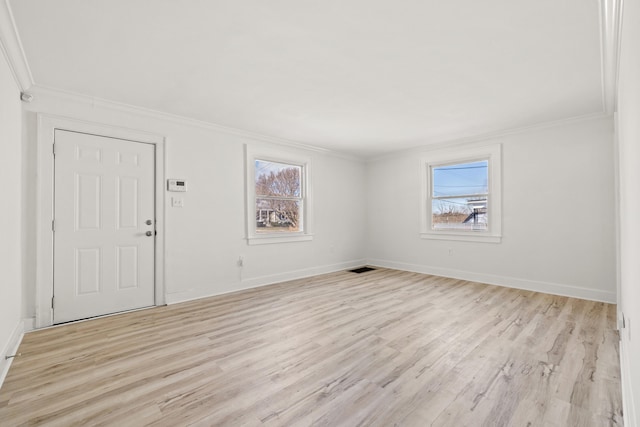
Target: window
459 194
462 194
278 197
278 201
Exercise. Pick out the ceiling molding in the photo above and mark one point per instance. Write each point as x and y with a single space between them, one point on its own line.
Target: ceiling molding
489 138
11 47
610 27
44 92
41 92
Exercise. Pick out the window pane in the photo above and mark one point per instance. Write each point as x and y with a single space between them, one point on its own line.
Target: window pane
278 215
460 214
461 179
277 179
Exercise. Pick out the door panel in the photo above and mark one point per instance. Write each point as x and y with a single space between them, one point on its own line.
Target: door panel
104 196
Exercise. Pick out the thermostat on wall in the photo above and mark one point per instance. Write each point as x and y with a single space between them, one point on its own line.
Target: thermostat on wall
176 185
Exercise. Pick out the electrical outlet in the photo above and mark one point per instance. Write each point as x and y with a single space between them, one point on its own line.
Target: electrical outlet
240 261
177 202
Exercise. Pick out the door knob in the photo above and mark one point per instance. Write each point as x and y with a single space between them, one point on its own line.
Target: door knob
148 222
149 233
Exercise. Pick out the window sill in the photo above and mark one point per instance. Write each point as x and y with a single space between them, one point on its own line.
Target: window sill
464 237
266 240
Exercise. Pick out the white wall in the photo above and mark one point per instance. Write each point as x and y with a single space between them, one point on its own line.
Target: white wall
629 175
205 238
558 215
10 214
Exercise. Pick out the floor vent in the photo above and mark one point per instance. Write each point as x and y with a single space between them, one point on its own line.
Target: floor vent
362 270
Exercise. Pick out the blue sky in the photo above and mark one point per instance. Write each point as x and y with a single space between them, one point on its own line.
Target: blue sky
461 179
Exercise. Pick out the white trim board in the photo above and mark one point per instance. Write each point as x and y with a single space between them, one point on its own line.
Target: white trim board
47 124
257 282
53 93
488 138
419 146
628 405
11 46
9 349
610 29
508 282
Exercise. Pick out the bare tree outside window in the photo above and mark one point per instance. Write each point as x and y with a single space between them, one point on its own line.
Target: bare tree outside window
447 212
278 197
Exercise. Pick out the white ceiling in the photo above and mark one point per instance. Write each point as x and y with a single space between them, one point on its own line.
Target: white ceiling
363 77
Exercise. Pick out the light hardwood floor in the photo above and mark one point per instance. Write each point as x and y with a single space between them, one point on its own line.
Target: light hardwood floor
381 348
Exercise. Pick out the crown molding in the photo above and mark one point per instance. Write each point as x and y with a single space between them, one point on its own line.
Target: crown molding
95 102
41 92
11 47
490 137
610 28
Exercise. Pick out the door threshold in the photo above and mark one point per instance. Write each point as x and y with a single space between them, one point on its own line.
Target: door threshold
70 322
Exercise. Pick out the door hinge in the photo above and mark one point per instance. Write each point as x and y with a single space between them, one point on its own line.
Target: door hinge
54 149
52 302
53 225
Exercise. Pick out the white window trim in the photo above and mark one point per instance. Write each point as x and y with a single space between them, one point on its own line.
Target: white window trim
492 153
260 153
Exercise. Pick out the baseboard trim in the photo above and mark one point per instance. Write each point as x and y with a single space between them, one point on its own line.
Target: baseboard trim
256 282
9 349
509 282
628 406
301 274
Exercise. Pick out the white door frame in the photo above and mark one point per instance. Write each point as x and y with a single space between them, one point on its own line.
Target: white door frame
47 124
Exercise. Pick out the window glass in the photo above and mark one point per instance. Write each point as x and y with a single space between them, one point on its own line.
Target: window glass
278 191
459 196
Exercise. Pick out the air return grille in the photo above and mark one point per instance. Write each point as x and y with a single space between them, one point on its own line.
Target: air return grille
362 270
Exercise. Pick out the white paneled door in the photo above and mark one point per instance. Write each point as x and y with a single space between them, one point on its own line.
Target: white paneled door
104 226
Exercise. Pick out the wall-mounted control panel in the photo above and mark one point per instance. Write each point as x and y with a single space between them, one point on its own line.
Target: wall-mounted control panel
177 185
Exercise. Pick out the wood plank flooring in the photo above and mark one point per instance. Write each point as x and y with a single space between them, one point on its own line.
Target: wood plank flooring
381 348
